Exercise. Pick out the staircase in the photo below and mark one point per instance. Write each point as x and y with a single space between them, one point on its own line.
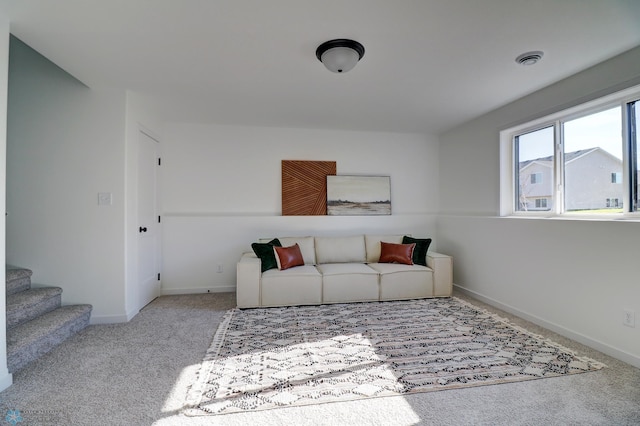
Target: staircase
36 321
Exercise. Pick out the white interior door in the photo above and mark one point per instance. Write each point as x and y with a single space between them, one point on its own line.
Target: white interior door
148 221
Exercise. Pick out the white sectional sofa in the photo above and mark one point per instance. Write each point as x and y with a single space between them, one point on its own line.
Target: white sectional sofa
339 270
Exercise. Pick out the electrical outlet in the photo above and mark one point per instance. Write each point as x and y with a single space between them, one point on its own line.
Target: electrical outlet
220 269
629 318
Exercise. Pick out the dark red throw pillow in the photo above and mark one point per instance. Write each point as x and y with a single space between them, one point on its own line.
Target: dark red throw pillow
288 257
396 253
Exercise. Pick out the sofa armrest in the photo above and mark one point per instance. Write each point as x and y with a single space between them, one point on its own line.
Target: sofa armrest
248 281
442 266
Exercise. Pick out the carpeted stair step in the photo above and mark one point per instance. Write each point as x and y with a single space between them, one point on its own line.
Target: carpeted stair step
31 340
17 279
27 305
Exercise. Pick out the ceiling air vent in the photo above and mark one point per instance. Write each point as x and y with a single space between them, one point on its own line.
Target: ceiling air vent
529 58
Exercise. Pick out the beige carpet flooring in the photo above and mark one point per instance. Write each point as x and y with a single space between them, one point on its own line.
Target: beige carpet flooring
138 374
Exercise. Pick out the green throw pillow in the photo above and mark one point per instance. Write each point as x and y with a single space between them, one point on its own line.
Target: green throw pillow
420 252
265 252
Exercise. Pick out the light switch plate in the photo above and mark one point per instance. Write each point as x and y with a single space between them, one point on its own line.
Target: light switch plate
104 198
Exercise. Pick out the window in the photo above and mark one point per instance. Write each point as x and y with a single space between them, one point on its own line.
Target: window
580 161
534 153
541 203
592 147
616 177
613 202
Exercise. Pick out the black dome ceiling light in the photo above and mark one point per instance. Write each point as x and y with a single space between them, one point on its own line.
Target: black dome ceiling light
340 55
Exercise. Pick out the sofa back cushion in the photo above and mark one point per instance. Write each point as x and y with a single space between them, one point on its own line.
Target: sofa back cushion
373 245
340 249
306 245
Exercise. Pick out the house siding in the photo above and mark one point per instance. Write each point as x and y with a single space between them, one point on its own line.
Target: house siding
540 190
588 181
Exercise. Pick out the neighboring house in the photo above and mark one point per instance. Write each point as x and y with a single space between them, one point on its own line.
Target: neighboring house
593 179
536 183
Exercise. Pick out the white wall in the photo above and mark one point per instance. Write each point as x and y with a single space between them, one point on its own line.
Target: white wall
221 190
575 277
5 377
65 145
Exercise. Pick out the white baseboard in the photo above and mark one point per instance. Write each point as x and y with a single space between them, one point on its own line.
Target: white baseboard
108 319
114 319
132 314
563 331
198 290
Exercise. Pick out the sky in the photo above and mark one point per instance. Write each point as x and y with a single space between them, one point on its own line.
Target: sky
603 129
358 188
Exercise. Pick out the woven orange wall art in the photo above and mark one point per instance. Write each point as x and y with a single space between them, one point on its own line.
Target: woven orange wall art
304 187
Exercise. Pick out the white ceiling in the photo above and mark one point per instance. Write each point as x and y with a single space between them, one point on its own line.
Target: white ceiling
429 64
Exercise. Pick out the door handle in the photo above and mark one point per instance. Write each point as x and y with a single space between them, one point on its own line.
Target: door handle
143 229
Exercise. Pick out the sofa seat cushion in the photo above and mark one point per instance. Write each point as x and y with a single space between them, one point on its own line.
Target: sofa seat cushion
348 282
300 285
398 281
331 269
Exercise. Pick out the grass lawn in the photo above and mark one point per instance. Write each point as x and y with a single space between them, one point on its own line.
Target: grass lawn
596 211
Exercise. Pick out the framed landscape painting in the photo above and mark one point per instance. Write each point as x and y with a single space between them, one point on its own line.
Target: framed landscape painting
358 195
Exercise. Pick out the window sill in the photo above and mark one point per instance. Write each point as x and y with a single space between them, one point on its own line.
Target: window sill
629 217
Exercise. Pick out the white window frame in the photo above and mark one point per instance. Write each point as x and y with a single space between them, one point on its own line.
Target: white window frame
507 158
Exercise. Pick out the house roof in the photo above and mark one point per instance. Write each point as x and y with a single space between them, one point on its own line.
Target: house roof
568 157
428 65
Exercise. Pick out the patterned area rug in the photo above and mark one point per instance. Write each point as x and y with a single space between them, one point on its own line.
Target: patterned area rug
278 357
